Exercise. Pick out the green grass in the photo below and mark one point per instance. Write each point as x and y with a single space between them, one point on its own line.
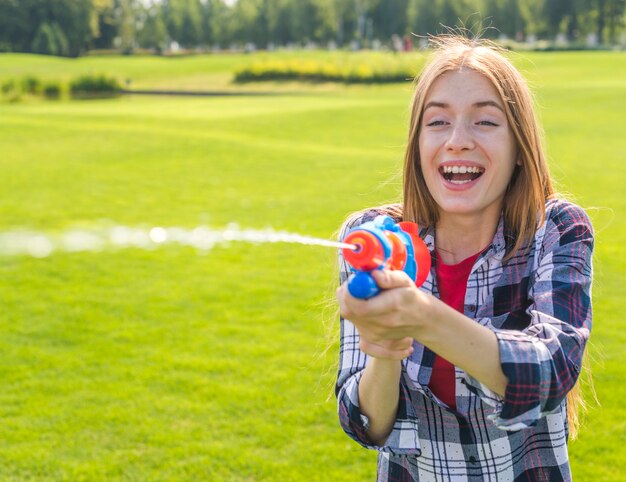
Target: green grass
200 72
173 365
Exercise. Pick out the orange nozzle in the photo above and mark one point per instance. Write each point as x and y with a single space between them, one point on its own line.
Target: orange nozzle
370 253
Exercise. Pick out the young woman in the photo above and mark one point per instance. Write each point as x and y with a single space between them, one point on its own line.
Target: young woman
467 378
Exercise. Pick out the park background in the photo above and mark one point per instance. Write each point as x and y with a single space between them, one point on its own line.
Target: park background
175 363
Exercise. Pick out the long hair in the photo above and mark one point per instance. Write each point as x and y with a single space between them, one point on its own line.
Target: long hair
530 185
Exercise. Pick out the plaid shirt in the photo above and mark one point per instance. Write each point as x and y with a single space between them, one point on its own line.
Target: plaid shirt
538 303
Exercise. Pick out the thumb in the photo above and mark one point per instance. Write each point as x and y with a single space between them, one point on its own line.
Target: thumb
387 279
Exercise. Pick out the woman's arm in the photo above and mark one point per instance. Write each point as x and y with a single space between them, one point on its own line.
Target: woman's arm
365 425
379 393
526 373
464 343
404 310
364 384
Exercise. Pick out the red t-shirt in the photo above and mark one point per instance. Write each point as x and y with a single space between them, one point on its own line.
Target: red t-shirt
452 283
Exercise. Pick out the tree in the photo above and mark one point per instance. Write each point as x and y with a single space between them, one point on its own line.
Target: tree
610 13
531 11
616 12
183 19
14 26
50 40
103 23
389 18
151 31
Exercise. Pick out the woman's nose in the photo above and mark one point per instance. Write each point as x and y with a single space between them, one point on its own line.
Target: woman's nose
460 138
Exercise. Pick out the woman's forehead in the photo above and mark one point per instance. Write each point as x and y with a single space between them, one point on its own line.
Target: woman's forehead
462 86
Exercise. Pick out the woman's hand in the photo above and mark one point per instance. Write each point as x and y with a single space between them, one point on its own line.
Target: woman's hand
388 322
400 313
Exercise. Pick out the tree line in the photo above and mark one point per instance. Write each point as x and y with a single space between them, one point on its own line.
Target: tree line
73 27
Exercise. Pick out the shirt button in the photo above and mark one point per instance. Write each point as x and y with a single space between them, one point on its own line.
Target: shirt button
472 460
471 307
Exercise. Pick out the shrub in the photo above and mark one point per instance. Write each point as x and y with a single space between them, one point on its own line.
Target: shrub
31 85
94 86
364 70
11 90
8 86
51 90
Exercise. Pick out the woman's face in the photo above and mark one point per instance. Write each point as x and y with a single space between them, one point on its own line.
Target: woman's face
467 149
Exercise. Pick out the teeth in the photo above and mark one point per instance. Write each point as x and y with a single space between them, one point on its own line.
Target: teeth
461 169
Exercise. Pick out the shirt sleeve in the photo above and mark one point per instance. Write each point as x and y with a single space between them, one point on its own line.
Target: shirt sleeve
403 438
543 361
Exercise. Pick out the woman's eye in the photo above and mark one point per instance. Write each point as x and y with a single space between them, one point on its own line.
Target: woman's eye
487 123
435 123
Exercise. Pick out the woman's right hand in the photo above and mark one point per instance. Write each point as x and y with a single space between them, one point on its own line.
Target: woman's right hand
381 325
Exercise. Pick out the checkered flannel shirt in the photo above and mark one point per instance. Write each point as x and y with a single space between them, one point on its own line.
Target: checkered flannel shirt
538 303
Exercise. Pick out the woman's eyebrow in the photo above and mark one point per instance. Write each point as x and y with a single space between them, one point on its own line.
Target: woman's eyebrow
483 103
488 103
434 103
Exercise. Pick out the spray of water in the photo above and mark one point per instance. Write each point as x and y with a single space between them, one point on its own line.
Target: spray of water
41 245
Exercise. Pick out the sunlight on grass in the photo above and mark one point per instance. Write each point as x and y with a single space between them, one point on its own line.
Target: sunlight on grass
172 365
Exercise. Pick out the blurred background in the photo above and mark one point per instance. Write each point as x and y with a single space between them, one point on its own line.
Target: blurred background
74 27
162 361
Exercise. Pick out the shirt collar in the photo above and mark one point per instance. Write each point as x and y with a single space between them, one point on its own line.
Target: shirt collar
501 239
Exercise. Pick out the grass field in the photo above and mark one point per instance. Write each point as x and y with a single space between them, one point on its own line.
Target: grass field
174 365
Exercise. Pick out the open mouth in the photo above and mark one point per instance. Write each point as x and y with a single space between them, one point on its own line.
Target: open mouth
461 174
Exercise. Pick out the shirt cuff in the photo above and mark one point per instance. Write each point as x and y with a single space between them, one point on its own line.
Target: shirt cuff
526 362
404 436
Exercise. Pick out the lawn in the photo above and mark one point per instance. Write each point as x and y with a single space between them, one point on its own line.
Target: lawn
171 364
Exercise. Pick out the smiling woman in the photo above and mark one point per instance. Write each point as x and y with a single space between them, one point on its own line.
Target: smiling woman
472 376
469 132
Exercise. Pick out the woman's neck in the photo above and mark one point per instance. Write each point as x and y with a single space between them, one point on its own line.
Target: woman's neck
459 237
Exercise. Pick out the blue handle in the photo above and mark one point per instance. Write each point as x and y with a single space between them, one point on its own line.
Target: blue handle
362 285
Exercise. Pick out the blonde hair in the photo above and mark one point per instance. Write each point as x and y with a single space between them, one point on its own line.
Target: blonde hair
530 185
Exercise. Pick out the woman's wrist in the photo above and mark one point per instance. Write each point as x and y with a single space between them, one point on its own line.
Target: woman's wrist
385 366
432 325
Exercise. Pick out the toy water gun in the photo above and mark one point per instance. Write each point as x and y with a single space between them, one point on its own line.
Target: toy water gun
384 244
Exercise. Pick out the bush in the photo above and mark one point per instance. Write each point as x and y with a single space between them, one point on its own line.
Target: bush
51 90
8 86
94 86
366 70
31 85
11 90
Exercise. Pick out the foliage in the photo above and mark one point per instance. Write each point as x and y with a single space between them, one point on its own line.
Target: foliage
372 70
31 85
11 91
14 90
50 40
57 27
94 86
72 27
52 90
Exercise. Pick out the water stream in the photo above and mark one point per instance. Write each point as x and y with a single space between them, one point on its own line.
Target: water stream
41 245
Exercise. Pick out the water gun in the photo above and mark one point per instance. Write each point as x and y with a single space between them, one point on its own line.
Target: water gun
384 244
